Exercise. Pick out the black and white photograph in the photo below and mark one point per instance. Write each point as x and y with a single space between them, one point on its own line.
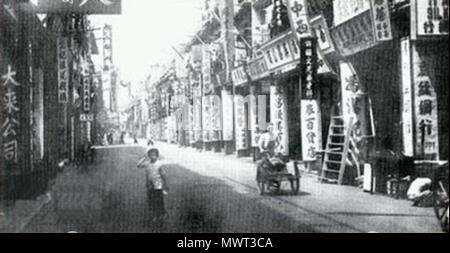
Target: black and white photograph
224 116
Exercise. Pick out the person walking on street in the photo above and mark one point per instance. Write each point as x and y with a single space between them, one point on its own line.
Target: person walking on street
156 183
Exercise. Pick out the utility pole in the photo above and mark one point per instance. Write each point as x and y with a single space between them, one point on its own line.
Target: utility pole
226 10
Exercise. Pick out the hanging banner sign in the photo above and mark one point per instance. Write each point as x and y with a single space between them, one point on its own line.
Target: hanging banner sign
257 69
10 118
86 93
227 112
278 112
308 68
79 6
355 103
239 76
429 18
311 129
355 35
282 54
298 17
107 48
320 30
198 115
241 123
63 69
216 117
206 118
381 19
407 106
206 70
425 106
191 124
345 10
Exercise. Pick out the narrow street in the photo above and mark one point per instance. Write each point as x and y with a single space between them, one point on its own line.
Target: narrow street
195 203
109 196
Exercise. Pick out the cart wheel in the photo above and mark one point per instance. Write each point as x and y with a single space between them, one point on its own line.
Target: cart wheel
261 187
440 206
295 186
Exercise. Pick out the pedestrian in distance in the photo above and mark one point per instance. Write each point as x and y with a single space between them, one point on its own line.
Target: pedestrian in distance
156 183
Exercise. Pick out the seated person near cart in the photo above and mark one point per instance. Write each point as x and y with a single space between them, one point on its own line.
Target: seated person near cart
267 144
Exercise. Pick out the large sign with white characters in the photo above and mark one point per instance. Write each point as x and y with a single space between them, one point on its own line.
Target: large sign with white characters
298 17
407 106
381 19
279 117
63 69
79 6
429 18
311 129
240 123
425 105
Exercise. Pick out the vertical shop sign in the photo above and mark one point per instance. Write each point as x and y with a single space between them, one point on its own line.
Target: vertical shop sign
425 106
107 48
227 112
206 118
298 17
355 103
241 123
63 69
311 129
429 18
381 19
320 30
216 117
10 115
206 69
407 107
86 93
310 111
278 112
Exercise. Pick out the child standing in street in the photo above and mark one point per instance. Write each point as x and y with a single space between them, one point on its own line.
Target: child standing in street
155 183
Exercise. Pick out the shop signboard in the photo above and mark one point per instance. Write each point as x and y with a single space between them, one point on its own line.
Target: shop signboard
79 6
216 117
11 120
298 17
311 129
257 69
206 118
85 117
63 69
355 35
381 19
281 54
308 68
356 104
206 70
198 115
107 48
320 30
345 10
239 76
240 123
278 112
429 18
425 105
407 106
227 112
86 93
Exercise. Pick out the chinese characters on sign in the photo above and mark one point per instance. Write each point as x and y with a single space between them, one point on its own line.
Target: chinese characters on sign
10 110
308 72
107 48
258 69
239 76
216 124
241 123
355 103
381 20
320 30
206 113
63 69
429 17
278 108
298 17
407 107
311 133
354 35
344 10
426 110
206 69
86 93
